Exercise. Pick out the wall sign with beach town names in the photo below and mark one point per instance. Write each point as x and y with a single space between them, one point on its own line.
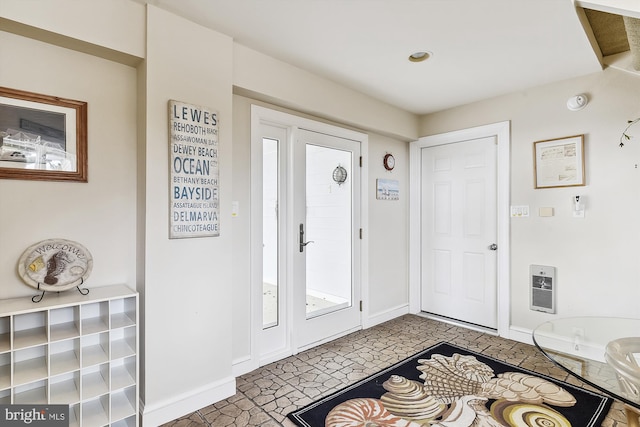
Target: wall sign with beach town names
193 143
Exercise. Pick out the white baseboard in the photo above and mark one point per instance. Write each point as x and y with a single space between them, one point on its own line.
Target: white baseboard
178 406
521 334
243 365
385 316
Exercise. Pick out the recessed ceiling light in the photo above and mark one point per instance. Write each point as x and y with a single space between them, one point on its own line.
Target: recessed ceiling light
419 56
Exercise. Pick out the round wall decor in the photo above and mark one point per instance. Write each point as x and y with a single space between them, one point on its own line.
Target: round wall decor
389 161
339 175
55 265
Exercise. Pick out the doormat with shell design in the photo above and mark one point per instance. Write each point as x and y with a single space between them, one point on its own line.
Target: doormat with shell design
449 386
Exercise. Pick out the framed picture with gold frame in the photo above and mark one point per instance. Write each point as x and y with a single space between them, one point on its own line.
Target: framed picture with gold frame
559 162
42 137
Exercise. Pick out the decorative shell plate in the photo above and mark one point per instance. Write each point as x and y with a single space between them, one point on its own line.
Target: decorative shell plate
55 265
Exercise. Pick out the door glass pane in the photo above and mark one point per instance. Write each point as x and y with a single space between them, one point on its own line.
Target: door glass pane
329 226
270 288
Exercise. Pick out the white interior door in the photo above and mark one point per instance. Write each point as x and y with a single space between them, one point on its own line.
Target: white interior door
459 231
326 212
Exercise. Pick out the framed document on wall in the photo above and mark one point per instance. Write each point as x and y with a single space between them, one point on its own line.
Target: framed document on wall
559 162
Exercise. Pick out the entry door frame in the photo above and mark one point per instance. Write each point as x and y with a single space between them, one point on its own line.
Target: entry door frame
292 123
501 131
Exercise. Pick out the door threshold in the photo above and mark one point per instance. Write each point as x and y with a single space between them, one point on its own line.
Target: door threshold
327 339
460 323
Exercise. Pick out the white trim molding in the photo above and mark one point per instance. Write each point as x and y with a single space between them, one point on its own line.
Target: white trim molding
374 319
502 132
521 335
186 403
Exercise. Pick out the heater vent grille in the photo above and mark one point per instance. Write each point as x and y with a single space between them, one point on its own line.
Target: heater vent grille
543 285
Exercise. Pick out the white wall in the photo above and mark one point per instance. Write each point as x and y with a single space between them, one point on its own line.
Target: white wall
388 232
121 214
190 333
31 211
187 354
113 29
596 257
258 76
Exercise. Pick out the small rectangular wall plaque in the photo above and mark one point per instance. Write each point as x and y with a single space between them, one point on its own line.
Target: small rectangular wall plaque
387 189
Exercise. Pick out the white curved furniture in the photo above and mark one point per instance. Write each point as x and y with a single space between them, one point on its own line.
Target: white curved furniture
600 352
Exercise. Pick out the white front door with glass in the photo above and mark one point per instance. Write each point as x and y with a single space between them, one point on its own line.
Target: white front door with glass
310 238
324 216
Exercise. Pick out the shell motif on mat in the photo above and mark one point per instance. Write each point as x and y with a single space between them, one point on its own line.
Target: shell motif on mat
364 412
516 414
483 416
408 399
449 378
517 386
467 411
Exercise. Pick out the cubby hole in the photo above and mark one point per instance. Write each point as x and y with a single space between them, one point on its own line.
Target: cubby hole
123 342
5 370
5 334
74 415
65 388
34 393
123 373
95 317
123 404
95 349
30 364
95 412
95 381
127 422
64 323
123 313
64 356
29 330
60 352
5 397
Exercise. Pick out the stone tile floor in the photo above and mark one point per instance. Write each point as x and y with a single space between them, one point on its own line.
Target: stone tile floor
265 396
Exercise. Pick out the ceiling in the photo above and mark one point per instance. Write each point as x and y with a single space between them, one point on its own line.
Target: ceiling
480 49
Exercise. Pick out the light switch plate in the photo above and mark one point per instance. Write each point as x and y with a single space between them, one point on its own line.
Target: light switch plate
520 211
545 212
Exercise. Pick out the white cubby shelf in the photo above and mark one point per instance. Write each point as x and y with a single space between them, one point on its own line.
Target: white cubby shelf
73 349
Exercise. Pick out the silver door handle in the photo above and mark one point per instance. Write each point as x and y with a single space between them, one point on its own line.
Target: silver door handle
493 247
302 242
